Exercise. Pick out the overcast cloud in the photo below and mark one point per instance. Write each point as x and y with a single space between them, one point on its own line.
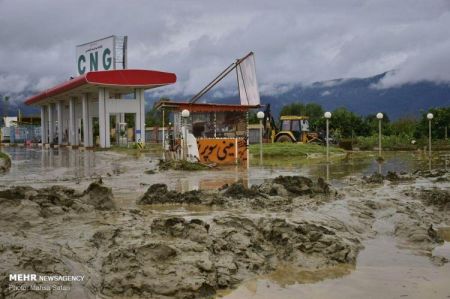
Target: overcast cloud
294 41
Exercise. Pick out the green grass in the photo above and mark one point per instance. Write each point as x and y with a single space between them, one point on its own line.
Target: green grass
4 156
293 150
394 142
181 165
7 162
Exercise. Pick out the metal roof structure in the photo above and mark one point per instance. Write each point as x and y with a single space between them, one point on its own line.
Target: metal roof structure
118 81
204 107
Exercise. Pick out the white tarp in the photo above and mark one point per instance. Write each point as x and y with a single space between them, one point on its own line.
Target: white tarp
248 86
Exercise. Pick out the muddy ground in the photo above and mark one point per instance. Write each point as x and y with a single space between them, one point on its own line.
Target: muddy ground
235 233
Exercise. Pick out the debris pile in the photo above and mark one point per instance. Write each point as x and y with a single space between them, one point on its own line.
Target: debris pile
55 200
436 197
181 165
391 176
5 162
159 194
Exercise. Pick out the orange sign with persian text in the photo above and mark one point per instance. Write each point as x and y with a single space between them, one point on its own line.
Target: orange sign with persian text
222 150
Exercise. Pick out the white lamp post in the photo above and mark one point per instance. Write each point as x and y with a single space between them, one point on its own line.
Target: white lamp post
430 117
327 116
185 114
163 133
260 116
379 117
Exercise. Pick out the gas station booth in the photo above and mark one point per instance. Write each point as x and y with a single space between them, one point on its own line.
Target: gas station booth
95 107
211 133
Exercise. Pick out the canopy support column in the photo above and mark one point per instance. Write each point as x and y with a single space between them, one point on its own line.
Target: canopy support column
72 121
60 122
43 125
86 123
140 117
102 117
51 124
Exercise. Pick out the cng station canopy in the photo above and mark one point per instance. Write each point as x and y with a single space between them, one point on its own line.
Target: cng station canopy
119 81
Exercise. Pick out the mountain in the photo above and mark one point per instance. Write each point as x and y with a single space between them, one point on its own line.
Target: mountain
358 95
361 97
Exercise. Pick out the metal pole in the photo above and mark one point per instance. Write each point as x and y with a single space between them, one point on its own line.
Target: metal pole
260 141
328 172
163 132
429 138
379 138
185 140
328 140
215 124
247 133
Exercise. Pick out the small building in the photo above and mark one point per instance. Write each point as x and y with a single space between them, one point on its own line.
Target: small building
221 131
93 108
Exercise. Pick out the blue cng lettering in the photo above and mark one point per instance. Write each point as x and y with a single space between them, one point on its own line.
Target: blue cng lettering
81 62
106 61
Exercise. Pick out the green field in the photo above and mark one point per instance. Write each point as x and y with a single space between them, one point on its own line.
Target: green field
293 150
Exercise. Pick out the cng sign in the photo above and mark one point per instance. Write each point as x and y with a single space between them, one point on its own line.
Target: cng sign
96 56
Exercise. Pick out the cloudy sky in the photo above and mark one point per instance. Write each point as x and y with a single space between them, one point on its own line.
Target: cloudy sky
293 40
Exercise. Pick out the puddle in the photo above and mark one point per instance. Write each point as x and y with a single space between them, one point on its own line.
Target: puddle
444 249
43 166
444 233
381 269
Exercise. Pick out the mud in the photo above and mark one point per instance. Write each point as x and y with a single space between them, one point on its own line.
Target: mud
141 252
391 176
436 197
159 193
192 258
282 193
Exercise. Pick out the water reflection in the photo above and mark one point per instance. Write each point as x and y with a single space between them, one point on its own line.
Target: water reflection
286 275
46 165
36 161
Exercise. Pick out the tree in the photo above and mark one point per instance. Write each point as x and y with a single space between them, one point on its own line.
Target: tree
369 126
441 120
312 110
154 117
293 109
252 119
405 126
346 123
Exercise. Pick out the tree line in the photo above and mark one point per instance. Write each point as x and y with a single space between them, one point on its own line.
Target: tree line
346 124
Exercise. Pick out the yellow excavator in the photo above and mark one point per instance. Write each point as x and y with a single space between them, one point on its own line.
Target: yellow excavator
293 128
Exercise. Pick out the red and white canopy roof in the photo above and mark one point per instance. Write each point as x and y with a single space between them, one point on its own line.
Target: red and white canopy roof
117 81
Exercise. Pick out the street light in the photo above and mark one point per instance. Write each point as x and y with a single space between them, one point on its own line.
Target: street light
163 134
185 114
430 117
327 116
260 116
380 117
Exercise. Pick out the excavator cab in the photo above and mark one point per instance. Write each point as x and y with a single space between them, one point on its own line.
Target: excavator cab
293 129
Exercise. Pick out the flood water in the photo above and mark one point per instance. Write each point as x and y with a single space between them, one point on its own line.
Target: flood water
37 166
383 270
